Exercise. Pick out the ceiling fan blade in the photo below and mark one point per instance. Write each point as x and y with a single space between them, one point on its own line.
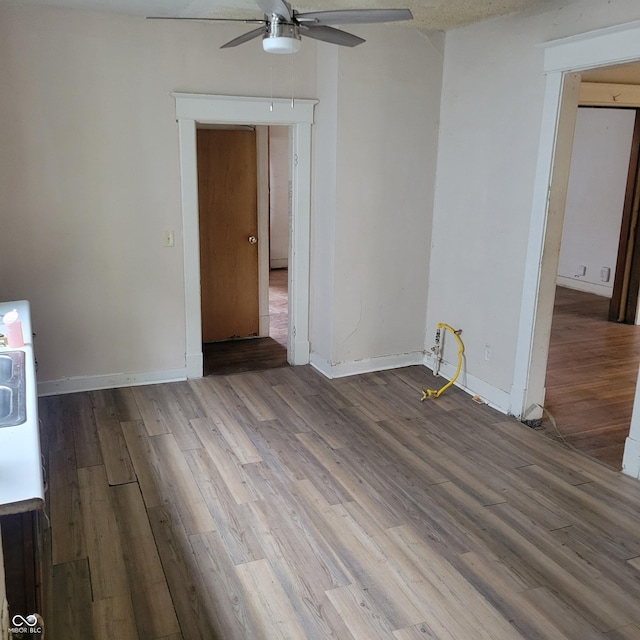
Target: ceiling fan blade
354 16
250 35
277 7
246 21
329 34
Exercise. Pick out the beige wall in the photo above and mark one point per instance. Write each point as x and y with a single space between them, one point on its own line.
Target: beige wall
595 198
91 180
492 105
378 132
278 197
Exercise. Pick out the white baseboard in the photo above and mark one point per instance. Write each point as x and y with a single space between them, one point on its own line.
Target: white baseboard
279 263
298 352
494 397
603 290
320 364
367 365
195 365
631 458
113 381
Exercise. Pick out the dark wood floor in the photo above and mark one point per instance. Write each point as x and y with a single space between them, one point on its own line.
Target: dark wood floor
281 504
591 375
254 354
236 356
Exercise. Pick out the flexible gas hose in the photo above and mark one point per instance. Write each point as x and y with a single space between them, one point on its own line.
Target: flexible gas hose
433 393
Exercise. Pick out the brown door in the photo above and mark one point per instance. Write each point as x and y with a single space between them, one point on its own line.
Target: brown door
227 193
626 284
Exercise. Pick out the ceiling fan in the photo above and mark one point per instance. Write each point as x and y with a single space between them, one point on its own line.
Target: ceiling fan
282 27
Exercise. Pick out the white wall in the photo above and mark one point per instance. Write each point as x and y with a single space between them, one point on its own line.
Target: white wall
375 203
91 180
279 200
595 198
324 196
492 100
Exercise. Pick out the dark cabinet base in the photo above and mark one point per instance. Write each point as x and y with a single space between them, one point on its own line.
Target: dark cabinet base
20 546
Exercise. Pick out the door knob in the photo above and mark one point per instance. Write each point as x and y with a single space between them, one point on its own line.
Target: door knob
253 240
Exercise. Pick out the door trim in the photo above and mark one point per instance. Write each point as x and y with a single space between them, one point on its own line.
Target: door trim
262 152
612 45
193 109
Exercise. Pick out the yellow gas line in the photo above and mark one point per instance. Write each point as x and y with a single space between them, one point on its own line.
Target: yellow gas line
432 393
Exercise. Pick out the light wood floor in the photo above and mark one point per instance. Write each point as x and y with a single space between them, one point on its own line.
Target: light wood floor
279 305
280 504
591 375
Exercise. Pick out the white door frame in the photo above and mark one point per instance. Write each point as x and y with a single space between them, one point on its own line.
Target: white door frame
193 109
604 47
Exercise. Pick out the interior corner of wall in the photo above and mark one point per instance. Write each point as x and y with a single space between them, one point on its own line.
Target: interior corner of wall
437 40
321 364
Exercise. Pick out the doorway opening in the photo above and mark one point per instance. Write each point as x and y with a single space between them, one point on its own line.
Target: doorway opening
564 61
279 220
198 110
244 213
593 362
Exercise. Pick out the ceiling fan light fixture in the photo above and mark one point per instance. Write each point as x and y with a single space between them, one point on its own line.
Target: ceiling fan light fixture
281 44
282 37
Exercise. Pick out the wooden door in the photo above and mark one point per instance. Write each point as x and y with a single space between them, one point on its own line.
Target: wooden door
626 285
227 194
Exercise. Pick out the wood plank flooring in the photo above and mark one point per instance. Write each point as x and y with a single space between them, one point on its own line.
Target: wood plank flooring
237 356
281 504
591 375
279 305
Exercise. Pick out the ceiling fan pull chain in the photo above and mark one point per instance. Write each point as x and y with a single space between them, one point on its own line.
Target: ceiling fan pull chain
271 82
293 77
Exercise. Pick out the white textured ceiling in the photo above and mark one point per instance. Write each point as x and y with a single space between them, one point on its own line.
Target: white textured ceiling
428 14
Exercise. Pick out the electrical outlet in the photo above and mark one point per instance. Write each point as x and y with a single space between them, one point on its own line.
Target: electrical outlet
168 239
488 352
605 274
582 271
